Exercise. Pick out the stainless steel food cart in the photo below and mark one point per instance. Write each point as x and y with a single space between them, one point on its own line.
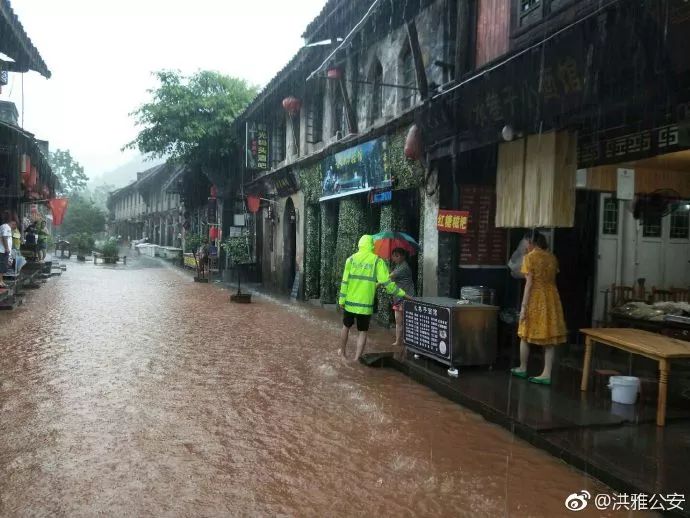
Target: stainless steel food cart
450 332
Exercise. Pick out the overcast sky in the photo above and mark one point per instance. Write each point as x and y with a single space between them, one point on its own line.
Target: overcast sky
102 52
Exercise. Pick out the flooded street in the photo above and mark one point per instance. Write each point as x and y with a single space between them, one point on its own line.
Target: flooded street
133 391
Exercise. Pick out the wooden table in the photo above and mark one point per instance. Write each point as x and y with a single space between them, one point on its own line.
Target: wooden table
636 341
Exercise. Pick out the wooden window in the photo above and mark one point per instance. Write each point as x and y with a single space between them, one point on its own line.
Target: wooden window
315 116
339 114
408 78
532 11
278 140
376 77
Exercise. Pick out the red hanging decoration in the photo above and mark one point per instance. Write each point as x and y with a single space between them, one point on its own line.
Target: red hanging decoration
413 143
25 168
213 233
334 73
292 105
214 191
58 207
253 203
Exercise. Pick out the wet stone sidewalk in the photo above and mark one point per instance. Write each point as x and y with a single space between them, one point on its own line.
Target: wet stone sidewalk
133 391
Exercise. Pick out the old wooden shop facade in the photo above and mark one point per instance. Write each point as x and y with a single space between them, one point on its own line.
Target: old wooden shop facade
532 113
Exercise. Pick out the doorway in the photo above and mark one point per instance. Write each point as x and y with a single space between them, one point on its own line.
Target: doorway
290 245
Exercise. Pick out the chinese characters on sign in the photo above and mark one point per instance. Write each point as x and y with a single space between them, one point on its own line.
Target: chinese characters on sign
642 144
285 183
483 244
452 221
257 146
498 104
427 329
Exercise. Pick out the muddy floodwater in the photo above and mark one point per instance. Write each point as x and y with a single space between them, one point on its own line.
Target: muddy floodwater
133 391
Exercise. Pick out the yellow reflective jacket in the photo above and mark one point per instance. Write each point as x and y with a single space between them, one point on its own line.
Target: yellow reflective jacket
363 271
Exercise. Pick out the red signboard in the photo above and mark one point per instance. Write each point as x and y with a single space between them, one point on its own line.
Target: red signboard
452 221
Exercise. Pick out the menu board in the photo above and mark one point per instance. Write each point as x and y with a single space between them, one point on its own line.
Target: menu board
483 244
427 329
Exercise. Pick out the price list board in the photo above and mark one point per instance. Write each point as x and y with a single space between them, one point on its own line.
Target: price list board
426 329
483 244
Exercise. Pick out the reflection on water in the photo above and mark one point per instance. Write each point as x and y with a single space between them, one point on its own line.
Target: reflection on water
134 391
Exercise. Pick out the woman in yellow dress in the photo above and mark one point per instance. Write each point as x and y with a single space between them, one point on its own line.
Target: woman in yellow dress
541 316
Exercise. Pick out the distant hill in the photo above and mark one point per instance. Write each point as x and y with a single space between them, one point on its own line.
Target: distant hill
126 173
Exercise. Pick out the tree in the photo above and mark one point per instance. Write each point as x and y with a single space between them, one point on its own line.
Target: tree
82 217
69 171
189 118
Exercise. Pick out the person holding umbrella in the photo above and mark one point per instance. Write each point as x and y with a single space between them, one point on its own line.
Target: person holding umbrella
363 272
402 276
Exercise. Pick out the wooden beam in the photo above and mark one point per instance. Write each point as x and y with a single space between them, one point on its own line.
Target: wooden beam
420 72
462 38
351 117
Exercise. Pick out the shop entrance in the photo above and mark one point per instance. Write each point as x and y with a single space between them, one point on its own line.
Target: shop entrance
290 245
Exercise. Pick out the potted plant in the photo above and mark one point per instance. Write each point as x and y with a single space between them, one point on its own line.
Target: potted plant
110 251
238 252
84 243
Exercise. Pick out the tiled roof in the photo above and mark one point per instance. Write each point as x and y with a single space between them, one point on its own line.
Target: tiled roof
17 44
347 12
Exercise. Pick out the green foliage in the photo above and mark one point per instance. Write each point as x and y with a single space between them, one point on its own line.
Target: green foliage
407 173
190 117
237 249
312 256
83 242
192 242
329 234
69 171
82 216
99 195
310 183
110 248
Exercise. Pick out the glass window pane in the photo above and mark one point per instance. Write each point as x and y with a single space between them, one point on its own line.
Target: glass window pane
610 219
680 224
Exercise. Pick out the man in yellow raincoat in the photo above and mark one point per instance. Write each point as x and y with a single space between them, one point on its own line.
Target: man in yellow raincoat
363 272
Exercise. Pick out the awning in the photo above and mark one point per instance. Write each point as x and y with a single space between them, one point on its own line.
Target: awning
15 43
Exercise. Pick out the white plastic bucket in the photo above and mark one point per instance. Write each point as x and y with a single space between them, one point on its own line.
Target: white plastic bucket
624 389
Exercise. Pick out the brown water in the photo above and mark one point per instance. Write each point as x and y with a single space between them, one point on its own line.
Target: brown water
136 392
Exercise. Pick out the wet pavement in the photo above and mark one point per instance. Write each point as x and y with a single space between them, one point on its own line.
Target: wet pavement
133 391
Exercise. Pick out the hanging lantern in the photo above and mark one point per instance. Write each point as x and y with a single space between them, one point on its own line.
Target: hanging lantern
292 105
58 207
334 73
253 203
213 233
214 191
413 143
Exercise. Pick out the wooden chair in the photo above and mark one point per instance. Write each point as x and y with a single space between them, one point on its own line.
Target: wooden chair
621 294
680 294
661 295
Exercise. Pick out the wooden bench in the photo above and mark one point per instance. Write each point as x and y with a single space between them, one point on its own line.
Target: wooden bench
636 341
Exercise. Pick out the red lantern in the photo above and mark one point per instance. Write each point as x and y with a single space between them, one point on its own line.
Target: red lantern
58 207
253 203
413 143
213 233
334 73
292 105
214 191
